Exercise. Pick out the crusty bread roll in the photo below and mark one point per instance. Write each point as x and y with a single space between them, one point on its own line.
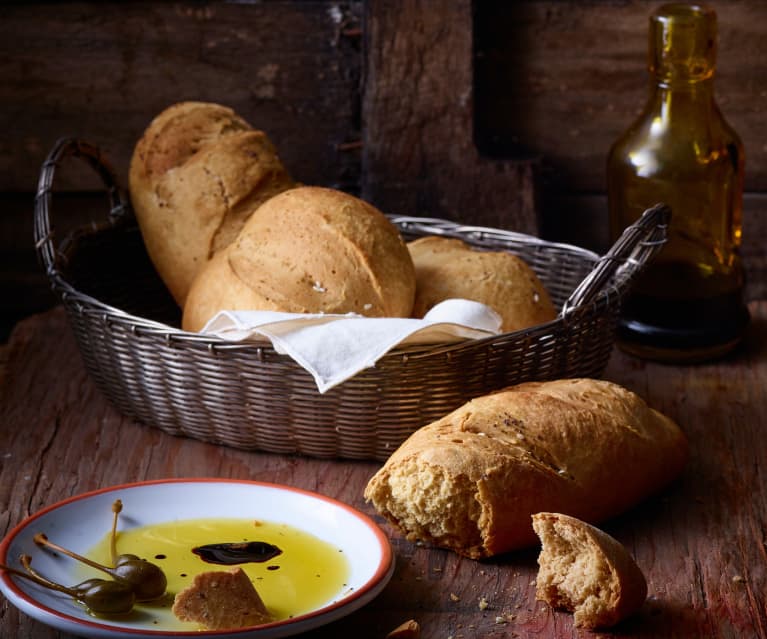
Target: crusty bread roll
586 571
471 481
308 250
450 268
196 175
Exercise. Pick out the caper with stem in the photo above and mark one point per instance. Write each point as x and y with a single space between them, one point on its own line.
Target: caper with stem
147 579
100 596
117 507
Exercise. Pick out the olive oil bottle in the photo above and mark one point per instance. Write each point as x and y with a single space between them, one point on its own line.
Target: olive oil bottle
687 305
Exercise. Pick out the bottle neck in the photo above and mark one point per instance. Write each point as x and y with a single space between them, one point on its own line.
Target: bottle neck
692 90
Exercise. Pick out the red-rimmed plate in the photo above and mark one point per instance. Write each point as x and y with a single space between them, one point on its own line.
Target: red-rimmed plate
81 522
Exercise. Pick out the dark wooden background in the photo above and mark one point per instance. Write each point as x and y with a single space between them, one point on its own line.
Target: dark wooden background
495 113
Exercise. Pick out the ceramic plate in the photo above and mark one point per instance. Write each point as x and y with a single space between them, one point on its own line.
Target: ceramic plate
81 522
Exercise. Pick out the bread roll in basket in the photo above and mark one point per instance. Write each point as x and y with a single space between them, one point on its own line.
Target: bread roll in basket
308 250
196 175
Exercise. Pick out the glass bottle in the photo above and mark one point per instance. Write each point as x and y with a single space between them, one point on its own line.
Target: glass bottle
687 305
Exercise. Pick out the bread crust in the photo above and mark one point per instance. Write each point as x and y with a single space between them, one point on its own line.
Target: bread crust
450 268
308 250
586 571
470 481
196 175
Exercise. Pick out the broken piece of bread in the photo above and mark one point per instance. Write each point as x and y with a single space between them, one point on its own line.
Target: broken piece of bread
221 600
586 571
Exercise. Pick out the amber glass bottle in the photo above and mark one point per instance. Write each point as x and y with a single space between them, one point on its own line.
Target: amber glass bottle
688 303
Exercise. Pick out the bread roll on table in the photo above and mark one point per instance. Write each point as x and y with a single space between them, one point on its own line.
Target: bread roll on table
471 481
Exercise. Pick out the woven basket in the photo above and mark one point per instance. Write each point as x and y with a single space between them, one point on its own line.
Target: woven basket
248 396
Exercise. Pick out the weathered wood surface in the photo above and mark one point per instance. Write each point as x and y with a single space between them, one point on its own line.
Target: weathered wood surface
103 70
701 542
419 156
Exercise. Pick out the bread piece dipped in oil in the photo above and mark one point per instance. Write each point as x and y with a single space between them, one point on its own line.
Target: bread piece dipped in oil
584 570
471 481
448 268
308 250
221 600
196 175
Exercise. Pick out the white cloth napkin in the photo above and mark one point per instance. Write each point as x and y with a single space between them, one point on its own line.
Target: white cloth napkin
334 348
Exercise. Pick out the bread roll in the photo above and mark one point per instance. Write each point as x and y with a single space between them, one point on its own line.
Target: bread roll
308 250
196 175
471 481
586 571
450 268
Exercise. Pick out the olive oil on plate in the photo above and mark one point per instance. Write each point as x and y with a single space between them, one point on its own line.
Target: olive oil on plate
305 575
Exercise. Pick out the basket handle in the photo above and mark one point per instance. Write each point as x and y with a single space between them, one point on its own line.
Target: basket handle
64 148
634 248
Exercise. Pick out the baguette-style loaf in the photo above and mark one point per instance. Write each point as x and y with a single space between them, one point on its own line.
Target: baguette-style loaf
196 175
585 571
471 481
308 250
448 268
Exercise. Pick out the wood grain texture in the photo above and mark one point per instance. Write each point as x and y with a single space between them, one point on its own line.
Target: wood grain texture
419 156
701 542
103 70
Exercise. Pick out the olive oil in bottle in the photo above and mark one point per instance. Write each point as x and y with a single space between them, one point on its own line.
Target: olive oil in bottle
687 305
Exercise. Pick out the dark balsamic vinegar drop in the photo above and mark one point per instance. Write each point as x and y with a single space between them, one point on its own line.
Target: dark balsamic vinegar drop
230 554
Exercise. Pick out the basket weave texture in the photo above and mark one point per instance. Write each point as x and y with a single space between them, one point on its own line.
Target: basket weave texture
248 396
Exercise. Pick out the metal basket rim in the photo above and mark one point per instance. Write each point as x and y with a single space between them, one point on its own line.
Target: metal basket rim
179 337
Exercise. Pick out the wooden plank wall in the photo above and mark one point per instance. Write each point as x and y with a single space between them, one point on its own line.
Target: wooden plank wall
419 156
489 113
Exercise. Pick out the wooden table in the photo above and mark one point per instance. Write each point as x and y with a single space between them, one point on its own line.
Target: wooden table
702 543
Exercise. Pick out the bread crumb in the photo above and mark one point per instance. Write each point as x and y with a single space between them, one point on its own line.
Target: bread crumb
408 630
483 604
221 600
454 597
738 579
